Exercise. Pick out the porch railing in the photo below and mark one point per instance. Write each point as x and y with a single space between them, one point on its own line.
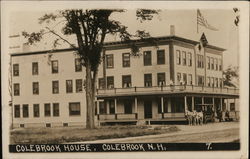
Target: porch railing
117 116
168 88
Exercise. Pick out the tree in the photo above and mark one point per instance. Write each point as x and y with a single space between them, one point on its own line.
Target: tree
229 76
90 27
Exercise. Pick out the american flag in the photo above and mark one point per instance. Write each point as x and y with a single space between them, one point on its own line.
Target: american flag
203 22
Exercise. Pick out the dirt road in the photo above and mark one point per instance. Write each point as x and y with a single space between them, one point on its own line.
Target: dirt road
213 132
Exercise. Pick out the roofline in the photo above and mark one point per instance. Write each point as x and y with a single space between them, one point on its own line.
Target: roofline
117 43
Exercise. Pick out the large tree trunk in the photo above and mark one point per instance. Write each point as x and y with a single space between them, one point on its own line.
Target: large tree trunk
90 98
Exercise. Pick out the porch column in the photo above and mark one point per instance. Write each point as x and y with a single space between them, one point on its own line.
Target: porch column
115 105
185 103
107 106
202 100
234 104
192 103
136 108
97 107
227 107
213 104
162 107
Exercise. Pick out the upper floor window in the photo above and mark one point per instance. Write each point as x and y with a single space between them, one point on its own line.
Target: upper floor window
220 65
208 81
200 80
216 64
189 59
110 82
17 111
110 61
47 110
147 58
126 60
36 111
56 109
78 65
216 82
190 79
208 62
79 85
184 78
184 58
200 61
161 79
101 83
34 68
212 81
35 86
212 63
74 108
15 69
55 87
221 82
178 57
126 81
160 57
25 110
148 80
16 89
178 77
54 66
69 86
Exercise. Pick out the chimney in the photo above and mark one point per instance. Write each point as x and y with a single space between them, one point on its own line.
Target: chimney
172 30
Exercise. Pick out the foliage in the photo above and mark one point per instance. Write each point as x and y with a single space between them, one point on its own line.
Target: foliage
229 74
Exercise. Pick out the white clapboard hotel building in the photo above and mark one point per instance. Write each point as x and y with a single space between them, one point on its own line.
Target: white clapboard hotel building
159 85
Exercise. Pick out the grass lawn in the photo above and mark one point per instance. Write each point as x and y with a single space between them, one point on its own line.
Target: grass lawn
76 134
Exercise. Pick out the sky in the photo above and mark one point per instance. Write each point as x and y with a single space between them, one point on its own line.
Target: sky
184 20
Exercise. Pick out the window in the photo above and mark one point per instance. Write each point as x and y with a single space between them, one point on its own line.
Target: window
25 110
69 86
35 86
126 60
102 107
126 81
56 109
36 111
74 108
47 111
148 80
79 85
147 58
178 77
189 59
212 63
16 89
212 81
78 65
190 79
220 66
200 62
232 106
216 64
200 80
54 66
161 79
17 111
55 87
216 82
184 58
34 68
184 78
208 81
101 83
109 61
220 82
160 57
110 82
15 69
208 62
111 106
127 106
178 54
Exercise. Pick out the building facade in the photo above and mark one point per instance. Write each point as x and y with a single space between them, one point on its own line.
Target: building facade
159 84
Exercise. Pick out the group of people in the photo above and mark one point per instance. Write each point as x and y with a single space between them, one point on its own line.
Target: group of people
194 117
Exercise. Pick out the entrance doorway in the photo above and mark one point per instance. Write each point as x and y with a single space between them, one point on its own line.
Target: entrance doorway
147 109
